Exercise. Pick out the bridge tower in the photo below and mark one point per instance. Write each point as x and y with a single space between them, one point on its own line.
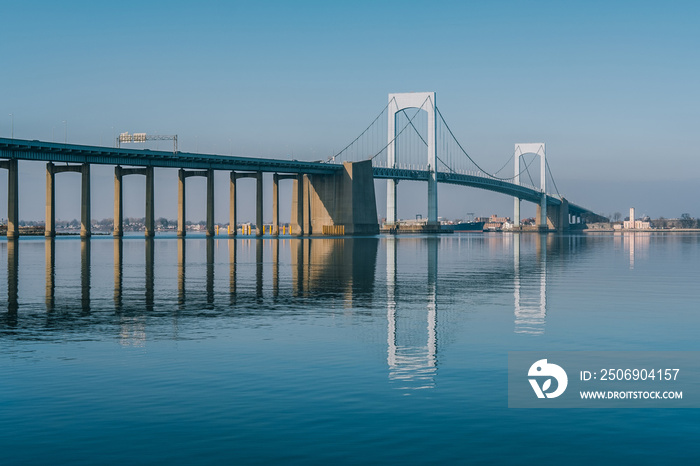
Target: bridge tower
424 101
536 148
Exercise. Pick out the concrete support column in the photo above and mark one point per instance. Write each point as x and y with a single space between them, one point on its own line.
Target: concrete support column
391 201
210 202
232 206
275 205
543 212
85 220
150 209
259 204
300 205
516 212
12 199
181 230
306 205
432 197
50 223
118 203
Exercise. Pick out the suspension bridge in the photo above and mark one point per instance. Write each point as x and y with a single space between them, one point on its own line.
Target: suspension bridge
409 140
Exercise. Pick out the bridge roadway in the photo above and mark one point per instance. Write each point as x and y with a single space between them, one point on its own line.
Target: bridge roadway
511 189
18 149
70 153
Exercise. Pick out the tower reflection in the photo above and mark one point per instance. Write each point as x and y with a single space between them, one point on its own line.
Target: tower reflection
412 363
530 287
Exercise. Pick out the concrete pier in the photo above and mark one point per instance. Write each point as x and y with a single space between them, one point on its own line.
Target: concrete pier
232 220
558 217
337 204
181 228
150 201
275 205
297 223
259 204
50 222
12 197
119 173
85 219
118 202
182 176
210 202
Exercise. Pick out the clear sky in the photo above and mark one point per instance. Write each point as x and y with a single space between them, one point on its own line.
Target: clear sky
610 87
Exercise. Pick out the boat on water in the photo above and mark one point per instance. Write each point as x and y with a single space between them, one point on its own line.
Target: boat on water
464 226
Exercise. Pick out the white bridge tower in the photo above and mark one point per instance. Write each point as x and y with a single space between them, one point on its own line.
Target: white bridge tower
423 101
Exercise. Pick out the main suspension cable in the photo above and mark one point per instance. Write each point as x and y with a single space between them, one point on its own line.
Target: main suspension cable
362 133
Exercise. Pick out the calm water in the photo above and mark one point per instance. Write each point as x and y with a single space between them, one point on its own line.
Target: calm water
388 350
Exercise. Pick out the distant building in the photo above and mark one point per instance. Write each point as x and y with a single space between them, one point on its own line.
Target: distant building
493 222
633 224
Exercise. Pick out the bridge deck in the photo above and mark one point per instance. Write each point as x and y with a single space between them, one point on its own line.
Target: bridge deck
55 152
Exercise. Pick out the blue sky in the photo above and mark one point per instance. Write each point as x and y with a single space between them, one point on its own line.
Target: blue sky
610 87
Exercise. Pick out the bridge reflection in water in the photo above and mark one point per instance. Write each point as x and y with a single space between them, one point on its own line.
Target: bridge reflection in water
132 282
530 287
412 343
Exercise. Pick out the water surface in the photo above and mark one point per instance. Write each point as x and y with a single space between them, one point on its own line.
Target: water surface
331 350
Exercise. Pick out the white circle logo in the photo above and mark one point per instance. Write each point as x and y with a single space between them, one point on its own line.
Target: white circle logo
544 370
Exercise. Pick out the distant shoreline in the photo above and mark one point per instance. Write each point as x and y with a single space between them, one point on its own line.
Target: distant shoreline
651 230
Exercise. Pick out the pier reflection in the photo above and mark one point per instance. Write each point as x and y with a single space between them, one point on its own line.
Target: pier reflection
12 281
118 272
85 264
291 276
328 267
316 269
181 261
50 273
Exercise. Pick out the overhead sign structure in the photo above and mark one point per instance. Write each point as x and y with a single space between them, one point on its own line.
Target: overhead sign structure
143 137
